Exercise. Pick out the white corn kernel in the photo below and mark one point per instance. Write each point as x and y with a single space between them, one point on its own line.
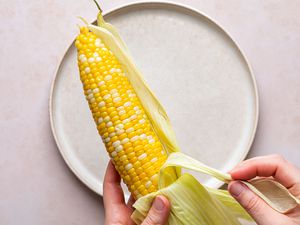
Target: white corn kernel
117 99
131 129
119 148
124 141
142 156
96 90
126 121
91 60
143 136
112 70
116 143
133 117
149 137
101 83
101 104
122 112
107 96
151 141
127 104
109 124
120 126
128 166
112 134
153 160
113 91
148 184
142 121
108 77
87 70
135 138
90 96
120 132
114 95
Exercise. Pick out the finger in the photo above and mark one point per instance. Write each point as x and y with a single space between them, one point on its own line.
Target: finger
254 205
159 212
265 166
130 202
112 190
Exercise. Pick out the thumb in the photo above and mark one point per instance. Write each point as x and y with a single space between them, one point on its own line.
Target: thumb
159 212
260 211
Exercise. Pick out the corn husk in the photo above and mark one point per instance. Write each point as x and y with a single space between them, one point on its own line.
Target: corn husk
191 202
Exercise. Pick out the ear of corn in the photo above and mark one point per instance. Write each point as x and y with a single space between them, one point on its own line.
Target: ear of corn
120 117
153 108
139 138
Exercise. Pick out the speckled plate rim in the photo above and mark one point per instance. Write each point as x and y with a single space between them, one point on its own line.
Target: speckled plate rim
95 186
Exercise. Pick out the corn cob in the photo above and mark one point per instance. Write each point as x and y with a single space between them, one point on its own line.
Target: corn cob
121 121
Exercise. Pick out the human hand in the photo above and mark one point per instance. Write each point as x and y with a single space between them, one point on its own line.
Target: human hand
117 212
266 166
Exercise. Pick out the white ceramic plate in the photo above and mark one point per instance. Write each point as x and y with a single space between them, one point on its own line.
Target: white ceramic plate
195 69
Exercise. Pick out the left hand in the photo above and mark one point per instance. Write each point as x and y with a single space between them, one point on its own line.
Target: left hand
117 212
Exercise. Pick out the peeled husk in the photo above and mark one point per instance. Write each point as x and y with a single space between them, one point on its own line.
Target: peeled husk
191 202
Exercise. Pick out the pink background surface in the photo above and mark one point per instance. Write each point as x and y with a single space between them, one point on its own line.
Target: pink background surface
37 187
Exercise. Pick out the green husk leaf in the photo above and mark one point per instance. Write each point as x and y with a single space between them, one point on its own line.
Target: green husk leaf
102 23
180 160
272 192
228 201
192 204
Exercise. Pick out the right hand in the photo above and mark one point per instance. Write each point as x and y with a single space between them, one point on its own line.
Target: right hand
278 168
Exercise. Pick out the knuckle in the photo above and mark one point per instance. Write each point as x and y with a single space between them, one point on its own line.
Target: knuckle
151 220
253 206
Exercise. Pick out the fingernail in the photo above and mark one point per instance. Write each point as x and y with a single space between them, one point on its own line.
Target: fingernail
158 204
237 188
